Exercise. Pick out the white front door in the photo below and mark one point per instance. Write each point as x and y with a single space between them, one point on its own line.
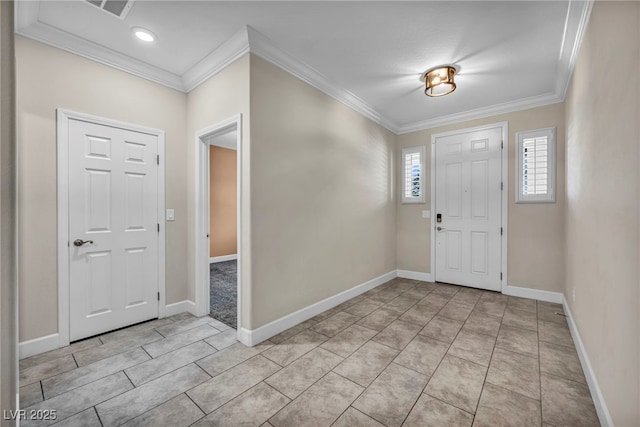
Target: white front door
468 195
113 228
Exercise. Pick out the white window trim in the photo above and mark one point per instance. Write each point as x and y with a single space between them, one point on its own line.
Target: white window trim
550 197
412 150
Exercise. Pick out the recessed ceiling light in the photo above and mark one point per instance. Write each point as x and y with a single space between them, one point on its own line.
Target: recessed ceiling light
144 34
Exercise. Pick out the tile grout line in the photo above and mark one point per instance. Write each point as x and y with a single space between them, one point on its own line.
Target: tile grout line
298 396
151 357
386 366
197 406
445 354
161 403
486 374
364 389
514 392
449 404
98 415
166 373
343 357
233 366
392 361
564 378
132 384
74 360
98 379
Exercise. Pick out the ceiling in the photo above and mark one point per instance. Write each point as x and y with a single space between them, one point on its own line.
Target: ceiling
369 55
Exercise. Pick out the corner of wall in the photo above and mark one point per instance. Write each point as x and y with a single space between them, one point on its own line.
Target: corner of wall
8 216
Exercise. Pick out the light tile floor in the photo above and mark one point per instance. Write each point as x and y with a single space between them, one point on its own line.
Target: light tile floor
405 353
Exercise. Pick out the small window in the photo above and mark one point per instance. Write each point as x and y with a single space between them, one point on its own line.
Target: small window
536 166
413 175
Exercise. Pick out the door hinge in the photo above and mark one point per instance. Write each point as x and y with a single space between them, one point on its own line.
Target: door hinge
501 231
158 227
158 159
501 144
501 186
158 296
501 275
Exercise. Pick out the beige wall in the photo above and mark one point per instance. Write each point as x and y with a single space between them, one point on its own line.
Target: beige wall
49 78
8 284
219 98
223 219
323 196
535 240
603 203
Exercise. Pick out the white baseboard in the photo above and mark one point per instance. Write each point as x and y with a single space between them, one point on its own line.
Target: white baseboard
222 258
536 294
180 307
38 345
245 336
252 337
590 375
415 275
52 342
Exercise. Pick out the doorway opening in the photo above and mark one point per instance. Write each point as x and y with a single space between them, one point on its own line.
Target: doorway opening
223 227
218 231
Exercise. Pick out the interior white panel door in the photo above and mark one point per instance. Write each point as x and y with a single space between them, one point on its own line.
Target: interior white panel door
113 231
468 197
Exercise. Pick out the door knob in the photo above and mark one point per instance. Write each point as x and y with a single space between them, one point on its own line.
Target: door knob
440 228
80 242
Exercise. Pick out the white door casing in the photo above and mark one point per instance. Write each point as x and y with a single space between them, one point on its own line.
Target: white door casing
201 219
469 197
114 201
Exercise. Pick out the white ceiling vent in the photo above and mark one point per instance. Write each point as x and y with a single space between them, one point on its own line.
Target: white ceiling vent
119 8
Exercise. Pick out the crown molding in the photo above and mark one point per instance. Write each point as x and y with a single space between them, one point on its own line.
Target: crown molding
219 59
47 34
578 13
480 113
26 13
249 40
267 50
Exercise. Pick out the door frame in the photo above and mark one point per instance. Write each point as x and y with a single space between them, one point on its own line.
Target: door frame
63 116
504 127
201 255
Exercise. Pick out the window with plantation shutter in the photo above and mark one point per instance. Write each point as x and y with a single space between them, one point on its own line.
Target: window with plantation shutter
413 175
536 165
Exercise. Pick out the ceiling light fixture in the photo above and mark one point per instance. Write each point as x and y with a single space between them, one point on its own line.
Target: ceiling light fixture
439 80
144 34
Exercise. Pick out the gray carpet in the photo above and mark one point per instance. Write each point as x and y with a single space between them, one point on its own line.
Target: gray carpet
223 291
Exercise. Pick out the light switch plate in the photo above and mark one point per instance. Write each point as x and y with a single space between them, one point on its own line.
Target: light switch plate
426 214
171 215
